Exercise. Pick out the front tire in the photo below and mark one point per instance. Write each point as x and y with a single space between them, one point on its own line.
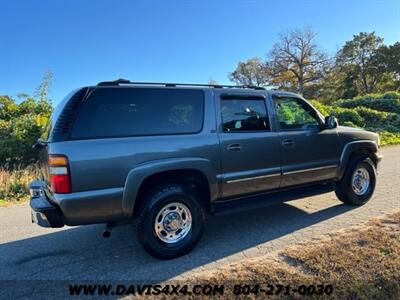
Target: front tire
358 183
171 221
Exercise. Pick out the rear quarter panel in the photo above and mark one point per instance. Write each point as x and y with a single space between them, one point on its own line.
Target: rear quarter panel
100 164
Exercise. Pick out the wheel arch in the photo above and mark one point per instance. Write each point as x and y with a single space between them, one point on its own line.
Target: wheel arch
364 148
191 170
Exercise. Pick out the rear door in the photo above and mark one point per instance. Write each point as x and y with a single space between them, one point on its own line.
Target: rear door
250 151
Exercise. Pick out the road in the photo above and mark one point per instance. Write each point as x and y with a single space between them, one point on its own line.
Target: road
29 253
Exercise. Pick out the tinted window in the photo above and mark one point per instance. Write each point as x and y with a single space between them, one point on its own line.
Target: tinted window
114 112
295 114
244 115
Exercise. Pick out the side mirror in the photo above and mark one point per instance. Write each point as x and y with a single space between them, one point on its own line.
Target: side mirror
330 122
39 144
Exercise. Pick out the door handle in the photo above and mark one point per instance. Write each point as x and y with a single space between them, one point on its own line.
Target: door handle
234 147
288 143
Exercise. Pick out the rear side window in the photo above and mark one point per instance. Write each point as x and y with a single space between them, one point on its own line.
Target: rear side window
118 112
244 115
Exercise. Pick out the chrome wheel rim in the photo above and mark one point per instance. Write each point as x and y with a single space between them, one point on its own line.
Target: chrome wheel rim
360 181
173 222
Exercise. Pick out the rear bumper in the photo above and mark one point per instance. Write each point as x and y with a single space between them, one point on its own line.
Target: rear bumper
79 208
44 213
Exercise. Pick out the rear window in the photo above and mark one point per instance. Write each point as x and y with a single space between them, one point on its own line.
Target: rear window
118 112
244 115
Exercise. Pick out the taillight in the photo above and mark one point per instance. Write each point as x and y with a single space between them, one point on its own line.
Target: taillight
59 174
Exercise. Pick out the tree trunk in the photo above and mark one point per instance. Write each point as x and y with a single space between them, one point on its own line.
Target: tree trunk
364 83
301 78
301 85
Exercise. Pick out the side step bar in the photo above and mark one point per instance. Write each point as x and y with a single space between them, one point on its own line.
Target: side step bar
269 198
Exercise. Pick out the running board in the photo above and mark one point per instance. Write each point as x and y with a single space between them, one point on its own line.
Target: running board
270 198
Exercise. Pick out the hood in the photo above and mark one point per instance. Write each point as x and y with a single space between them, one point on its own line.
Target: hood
349 134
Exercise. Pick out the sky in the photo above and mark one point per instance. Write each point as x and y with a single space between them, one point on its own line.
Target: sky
83 42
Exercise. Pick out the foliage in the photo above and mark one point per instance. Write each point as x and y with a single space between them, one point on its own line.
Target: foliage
376 112
294 63
252 72
212 81
21 124
358 57
389 101
389 138
389 58
363 65
295 58
347 115
322 108
14 183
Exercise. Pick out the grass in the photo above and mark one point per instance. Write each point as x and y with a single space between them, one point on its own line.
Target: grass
360 263
14 184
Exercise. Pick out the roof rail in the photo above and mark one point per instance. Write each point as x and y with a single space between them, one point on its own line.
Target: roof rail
122 81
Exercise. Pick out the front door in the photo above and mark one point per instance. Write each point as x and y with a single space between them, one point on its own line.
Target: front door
249 149
309 154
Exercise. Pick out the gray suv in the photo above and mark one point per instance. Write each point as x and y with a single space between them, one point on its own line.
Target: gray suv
164 155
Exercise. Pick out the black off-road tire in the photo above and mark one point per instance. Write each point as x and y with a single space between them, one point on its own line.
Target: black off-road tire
344 190
153 203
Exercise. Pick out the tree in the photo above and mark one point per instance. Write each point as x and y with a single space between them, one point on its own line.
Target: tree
295 63
211 81
393 58
388 60
295 60
251 72
338 83
359 57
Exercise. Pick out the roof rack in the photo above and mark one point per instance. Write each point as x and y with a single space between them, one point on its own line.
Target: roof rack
128 82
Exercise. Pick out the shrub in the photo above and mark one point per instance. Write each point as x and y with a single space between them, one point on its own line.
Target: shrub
322 108
373 117
389 102
389 138
14 183
375 112
348 123
347 115
20 126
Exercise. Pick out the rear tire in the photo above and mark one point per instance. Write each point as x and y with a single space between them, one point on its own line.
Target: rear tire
358 182
171 221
